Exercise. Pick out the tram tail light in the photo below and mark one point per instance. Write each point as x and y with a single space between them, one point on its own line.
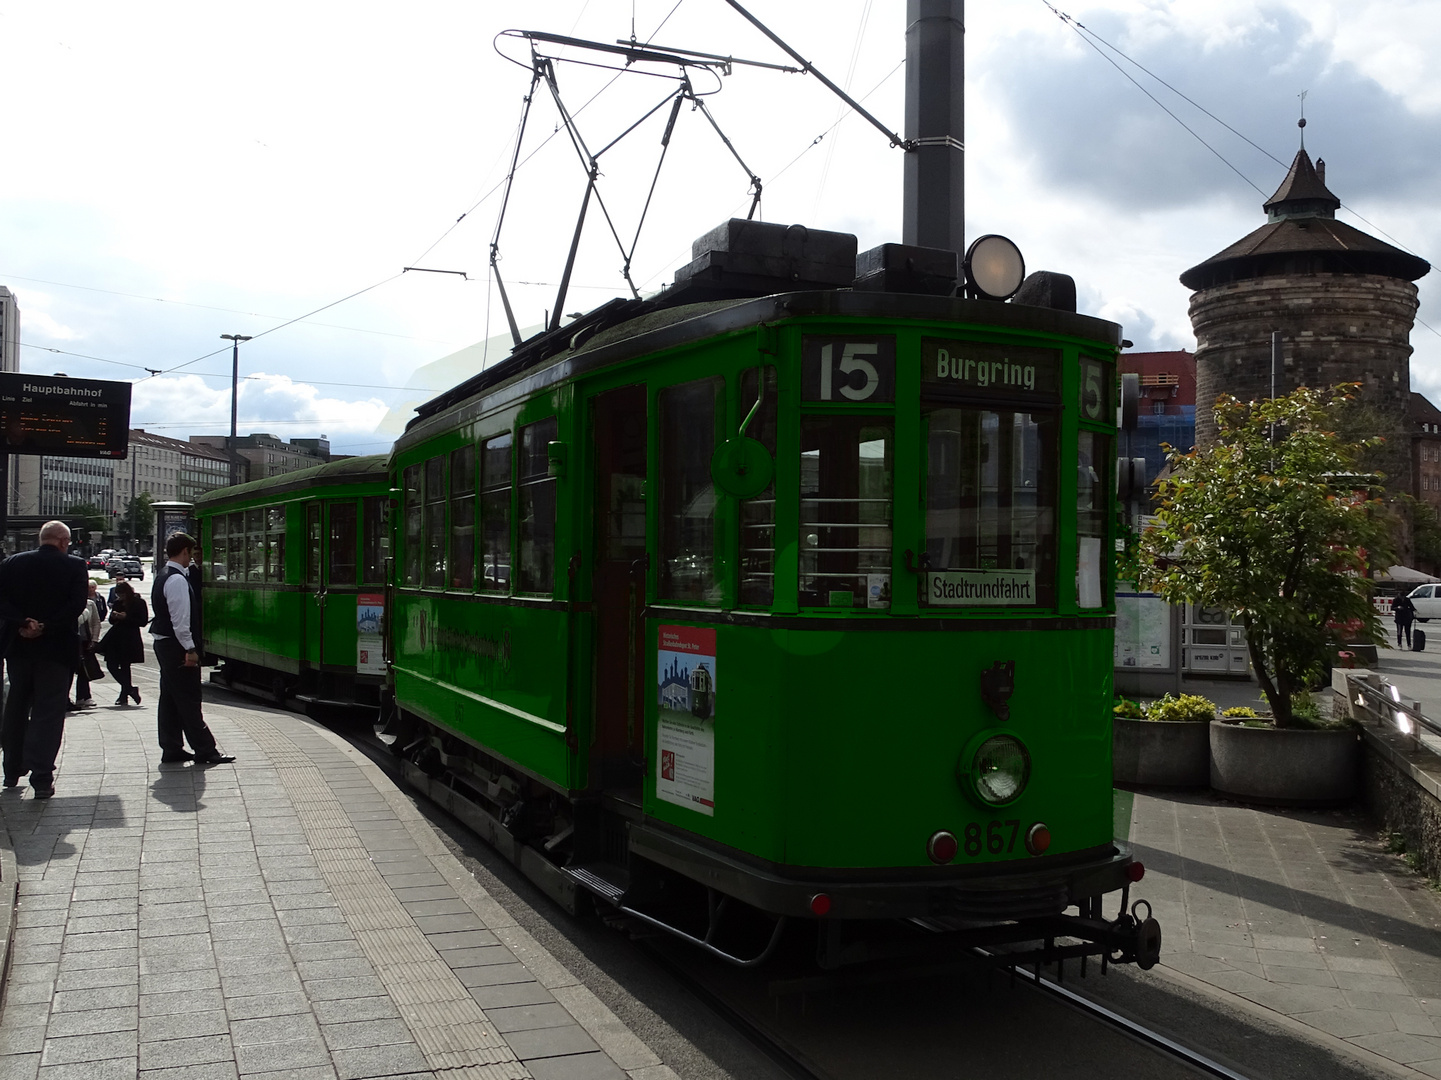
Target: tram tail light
1038 839
1135 871
942 847
820 904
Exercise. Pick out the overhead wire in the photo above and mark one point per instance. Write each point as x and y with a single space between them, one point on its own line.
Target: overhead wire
840 106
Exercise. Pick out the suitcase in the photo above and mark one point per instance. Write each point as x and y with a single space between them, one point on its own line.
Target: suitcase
1418 640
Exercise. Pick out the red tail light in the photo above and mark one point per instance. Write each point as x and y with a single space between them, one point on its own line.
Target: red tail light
1038 839
820 904
1135 871
942 847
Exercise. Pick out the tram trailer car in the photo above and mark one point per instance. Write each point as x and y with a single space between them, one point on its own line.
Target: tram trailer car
294 581
884 517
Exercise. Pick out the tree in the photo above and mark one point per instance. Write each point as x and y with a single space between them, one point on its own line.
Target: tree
90 516
139 517
1275 524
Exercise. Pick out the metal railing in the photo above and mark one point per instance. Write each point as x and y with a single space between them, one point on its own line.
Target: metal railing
1385 707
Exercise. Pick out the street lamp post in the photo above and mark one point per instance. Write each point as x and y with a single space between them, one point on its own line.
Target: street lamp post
235 340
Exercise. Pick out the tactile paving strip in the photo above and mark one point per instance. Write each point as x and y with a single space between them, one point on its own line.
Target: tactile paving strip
449 1027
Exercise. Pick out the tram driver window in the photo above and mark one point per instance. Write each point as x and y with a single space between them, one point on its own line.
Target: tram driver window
847 464
1093 460
537 507
687 494
990 507
414 517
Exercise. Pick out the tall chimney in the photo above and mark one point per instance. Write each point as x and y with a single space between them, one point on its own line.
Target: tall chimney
934 212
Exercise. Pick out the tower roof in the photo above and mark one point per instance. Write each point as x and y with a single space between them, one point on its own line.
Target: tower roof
1303 193
1302 236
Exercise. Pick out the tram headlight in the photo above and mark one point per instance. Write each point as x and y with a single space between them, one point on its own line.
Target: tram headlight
995 768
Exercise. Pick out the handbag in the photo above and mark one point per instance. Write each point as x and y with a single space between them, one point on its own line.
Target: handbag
91 666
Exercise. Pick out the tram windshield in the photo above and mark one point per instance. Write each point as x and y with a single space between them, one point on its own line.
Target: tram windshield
845 521
990 507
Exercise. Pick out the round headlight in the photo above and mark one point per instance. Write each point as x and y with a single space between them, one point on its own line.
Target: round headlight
994 268
996 768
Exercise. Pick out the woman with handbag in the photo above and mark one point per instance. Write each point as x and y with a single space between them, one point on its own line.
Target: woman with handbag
87 667
122 645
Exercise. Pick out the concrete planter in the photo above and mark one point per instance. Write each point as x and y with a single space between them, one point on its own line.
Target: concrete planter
1161 753
1285 767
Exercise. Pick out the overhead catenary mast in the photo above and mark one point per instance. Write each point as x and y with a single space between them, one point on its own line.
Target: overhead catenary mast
934 206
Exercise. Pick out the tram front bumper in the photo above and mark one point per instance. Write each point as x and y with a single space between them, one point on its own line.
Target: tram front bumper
1021 889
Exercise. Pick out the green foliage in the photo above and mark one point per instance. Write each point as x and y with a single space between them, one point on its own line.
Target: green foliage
1128 552
88 516
1239 712
1273 524
139 516
1129 710
1395 842
1426 532
1185 707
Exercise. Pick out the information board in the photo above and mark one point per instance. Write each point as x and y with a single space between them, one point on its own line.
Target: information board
47 414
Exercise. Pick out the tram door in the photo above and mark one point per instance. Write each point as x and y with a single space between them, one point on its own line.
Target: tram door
312 591
338 614
618 424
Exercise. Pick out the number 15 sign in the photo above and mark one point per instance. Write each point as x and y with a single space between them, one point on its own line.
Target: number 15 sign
848 370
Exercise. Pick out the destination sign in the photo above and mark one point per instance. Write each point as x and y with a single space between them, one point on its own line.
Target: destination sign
972 368
45 414
981 588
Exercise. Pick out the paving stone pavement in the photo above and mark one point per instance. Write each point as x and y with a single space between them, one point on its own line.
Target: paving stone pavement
290 915
1301 913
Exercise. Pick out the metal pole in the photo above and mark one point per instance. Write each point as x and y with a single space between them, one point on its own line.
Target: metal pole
934 212
235 340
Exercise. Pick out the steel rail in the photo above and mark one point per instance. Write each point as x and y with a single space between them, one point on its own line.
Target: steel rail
1130 1027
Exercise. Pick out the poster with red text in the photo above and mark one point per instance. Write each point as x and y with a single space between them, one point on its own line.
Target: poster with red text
685 726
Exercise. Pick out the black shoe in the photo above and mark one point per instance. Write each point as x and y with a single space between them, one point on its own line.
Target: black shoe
43 791
177 758
123 698
215 757
12 781
135 693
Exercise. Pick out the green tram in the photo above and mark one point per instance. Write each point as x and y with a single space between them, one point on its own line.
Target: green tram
294 581
885 517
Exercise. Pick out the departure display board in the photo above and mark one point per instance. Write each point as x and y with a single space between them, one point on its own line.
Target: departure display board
46 414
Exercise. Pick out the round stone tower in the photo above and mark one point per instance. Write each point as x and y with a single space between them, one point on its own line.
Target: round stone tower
1342 301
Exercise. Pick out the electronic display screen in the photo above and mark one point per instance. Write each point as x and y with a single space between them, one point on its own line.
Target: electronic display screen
46 414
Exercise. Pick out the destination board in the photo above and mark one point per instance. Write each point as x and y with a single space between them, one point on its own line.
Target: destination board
46 414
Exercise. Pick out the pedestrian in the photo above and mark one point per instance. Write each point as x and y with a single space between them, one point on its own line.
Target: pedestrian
42 594
87 628
121 645
176 628
118 579
1404 612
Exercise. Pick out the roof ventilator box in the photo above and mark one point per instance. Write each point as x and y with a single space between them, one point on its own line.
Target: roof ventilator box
758 258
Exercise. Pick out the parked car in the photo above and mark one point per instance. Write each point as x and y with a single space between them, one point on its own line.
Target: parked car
133 567
1427 599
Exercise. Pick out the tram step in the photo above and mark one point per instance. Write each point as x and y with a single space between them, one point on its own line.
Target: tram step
604 879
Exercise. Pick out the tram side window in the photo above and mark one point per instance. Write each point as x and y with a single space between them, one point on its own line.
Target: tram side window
495 470
275 543
414 517
312 543
537 507
218 548
342 544
758 515
687 494
462 518
255 545
847 464
1093 459
235 549
990 499
373 540
435 522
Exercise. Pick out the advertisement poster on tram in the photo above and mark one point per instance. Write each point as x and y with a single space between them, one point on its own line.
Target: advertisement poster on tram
685 728
369 655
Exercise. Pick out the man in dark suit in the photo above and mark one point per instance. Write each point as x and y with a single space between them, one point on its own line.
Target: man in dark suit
176 631
42 594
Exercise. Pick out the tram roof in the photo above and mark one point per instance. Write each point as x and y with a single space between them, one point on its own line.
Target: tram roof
352 469
622 329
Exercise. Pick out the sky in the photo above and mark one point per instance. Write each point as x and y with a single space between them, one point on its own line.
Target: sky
175 172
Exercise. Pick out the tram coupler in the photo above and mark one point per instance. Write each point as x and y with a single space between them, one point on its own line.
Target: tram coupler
1133 937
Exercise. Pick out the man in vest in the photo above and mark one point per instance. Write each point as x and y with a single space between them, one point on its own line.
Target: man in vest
175 628
42 594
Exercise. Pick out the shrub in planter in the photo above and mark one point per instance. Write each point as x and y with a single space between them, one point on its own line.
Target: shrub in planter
1169 748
